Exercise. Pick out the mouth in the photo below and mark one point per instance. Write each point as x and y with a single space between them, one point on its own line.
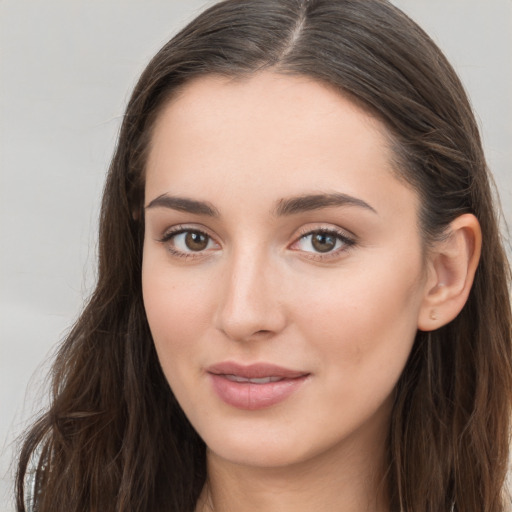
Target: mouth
254 371
255 386
262 380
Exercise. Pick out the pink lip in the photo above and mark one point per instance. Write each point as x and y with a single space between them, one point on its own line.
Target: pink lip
251 395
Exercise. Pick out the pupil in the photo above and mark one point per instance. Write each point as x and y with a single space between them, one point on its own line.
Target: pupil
323 242
196 241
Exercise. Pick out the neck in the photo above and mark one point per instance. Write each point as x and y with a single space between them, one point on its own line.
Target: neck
344 478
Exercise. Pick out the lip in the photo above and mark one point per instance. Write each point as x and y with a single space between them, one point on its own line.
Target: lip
231 383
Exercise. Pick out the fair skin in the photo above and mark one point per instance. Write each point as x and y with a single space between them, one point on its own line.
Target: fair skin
239 268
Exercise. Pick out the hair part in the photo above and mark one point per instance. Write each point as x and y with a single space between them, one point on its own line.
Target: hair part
115 439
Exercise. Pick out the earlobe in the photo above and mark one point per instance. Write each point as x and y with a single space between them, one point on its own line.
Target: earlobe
452 264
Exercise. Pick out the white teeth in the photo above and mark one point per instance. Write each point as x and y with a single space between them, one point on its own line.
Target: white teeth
262 380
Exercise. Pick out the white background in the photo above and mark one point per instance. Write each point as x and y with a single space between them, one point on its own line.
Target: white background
66 70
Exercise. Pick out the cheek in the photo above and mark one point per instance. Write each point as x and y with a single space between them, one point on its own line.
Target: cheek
364 323
178 312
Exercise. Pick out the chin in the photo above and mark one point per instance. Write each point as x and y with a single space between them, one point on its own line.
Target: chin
263 447
258 456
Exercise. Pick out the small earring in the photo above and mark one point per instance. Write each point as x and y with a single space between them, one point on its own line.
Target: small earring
433 315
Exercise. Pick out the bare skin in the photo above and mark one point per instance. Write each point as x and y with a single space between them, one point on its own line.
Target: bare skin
355 481
277 233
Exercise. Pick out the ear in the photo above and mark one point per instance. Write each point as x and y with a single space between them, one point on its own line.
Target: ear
451 267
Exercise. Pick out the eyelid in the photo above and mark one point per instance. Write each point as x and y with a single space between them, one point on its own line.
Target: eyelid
182 228
178 229
348 239
325 228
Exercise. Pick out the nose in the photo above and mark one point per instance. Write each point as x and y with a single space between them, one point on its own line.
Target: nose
250 304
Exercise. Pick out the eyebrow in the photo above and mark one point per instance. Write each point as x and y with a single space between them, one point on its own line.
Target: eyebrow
184 204
285 207
305 203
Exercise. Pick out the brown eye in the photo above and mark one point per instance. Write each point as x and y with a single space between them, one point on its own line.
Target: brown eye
196 241
188 241
323 242
319 242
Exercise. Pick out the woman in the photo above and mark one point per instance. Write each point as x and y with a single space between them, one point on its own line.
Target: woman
302 300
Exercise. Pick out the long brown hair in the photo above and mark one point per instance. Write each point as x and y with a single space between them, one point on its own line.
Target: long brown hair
114 438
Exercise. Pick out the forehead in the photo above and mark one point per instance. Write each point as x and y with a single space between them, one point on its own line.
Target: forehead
304 106
268 133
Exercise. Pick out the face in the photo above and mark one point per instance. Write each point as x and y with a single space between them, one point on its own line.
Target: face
282 269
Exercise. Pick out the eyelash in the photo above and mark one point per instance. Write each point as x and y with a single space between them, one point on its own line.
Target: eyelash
347 242
178 230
